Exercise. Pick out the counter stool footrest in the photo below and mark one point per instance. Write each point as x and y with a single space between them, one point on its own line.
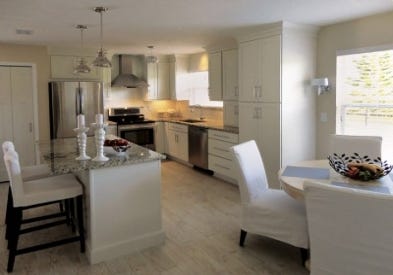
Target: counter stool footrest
43 226
46 217
47 245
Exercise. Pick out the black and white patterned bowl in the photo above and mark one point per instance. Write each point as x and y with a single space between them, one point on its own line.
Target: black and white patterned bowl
339 162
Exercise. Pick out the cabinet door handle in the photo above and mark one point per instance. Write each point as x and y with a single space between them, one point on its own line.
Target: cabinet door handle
30 127
258 91
236 91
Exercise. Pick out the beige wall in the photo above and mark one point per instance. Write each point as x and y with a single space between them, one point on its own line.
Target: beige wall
38 56
365 32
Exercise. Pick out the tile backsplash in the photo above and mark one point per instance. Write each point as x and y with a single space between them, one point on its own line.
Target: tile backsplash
155 109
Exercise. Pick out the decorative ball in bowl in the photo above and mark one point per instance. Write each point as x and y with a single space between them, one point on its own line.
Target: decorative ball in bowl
116 146
359 168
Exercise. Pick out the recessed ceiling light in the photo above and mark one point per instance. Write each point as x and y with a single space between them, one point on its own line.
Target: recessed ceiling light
24 32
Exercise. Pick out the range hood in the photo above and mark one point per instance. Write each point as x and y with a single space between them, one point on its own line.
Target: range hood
129 65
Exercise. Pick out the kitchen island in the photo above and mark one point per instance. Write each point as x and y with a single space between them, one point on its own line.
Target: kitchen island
122 196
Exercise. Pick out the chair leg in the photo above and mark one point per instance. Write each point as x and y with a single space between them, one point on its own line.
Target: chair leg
243 235
7 213
15 223
304 255
79 213
72 214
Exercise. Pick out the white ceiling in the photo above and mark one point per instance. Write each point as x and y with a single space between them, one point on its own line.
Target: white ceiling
172 26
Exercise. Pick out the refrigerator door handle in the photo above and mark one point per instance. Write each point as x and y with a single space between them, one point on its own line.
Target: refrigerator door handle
79 101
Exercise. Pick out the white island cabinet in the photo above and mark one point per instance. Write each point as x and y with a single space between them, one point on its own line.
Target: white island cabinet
122 197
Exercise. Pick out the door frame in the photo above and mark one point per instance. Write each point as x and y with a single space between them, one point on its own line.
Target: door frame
35 97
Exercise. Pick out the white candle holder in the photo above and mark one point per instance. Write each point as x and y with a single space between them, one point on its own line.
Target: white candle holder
99 134
81 136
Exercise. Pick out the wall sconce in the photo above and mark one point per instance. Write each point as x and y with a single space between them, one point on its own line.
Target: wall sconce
321 83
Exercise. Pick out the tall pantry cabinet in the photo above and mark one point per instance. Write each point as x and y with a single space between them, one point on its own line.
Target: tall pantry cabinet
17 113
276 102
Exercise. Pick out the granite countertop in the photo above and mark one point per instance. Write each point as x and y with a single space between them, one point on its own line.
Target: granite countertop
205 124
60 155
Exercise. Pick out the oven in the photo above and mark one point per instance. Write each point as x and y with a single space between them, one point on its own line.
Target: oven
141 134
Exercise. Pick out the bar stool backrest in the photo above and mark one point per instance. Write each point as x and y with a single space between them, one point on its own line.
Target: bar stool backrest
11 161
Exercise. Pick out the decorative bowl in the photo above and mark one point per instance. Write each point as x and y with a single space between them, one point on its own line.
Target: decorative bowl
359 168
116 146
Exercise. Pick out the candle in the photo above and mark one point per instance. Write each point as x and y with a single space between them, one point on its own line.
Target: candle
81 121
99 119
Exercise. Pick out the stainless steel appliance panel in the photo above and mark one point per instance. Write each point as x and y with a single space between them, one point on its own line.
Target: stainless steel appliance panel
198 146
67 100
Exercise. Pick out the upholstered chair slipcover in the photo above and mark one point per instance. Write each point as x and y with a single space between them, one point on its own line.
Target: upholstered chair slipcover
268 212
350 230
28 172
363 145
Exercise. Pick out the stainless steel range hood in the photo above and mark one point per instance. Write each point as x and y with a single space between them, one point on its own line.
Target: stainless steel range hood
129 66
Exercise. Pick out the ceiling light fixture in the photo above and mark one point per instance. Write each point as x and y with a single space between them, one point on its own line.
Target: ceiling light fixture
151 58
101 60
82 66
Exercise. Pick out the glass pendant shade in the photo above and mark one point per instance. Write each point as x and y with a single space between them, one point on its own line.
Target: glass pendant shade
101 59
151 58
82 66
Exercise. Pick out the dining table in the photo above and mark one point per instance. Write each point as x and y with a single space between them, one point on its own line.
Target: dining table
292 178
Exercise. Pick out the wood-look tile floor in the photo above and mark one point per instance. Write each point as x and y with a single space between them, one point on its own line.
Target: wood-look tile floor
200 218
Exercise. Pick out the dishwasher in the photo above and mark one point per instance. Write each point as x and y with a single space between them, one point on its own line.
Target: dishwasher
197 146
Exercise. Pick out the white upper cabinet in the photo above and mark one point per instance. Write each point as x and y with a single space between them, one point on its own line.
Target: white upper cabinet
215 76
62 67
178 78
158 80
230 74
260 75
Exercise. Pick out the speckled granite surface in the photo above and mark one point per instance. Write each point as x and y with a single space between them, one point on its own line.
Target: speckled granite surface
60 155
206 124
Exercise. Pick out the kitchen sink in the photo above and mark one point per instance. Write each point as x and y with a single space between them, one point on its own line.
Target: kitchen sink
190 120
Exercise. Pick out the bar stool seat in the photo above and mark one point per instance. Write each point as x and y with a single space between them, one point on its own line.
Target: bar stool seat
49 189
27 194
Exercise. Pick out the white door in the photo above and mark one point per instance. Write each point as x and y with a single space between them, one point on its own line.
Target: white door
17 113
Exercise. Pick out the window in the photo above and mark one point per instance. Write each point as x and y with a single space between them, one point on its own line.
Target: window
365 96
199 90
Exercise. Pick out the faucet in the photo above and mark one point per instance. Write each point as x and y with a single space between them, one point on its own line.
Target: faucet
201 117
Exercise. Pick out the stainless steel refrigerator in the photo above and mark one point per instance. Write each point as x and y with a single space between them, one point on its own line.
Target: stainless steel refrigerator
67 99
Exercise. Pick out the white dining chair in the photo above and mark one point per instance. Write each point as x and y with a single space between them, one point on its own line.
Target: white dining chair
363 145
350 230
25 195
268 212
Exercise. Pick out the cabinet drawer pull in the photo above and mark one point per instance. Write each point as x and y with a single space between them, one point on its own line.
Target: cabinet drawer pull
221 136
220 149
221 166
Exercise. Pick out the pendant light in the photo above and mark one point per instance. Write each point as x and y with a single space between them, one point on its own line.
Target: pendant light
101 60
82 66
151 58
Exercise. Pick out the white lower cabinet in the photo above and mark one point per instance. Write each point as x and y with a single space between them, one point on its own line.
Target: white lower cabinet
261 122
220 157
177 140
160 138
